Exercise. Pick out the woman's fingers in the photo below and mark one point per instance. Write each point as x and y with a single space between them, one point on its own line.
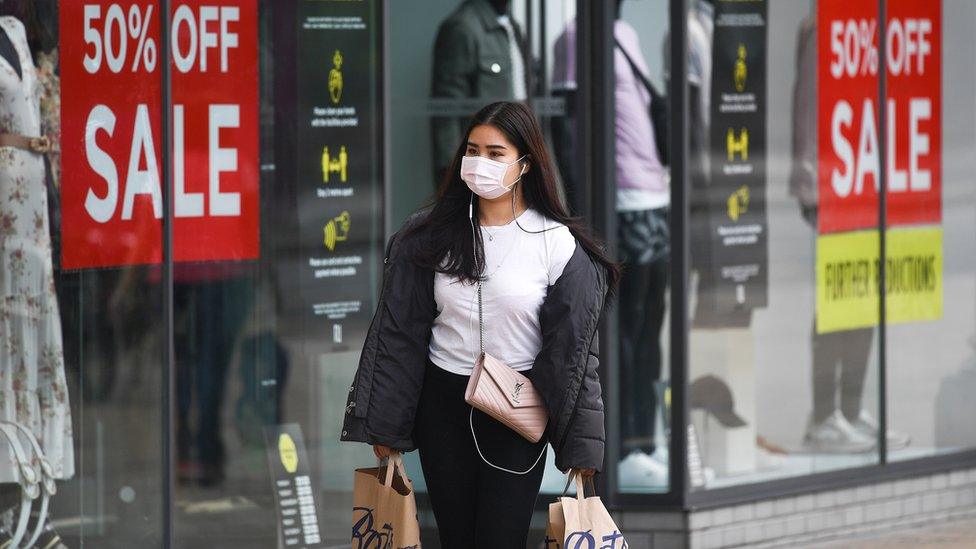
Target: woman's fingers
381 451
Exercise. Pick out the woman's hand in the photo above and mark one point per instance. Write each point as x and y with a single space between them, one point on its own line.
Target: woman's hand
382 451
585 473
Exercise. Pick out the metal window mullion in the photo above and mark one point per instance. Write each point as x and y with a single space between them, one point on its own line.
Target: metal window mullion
169 369
678 145
883 237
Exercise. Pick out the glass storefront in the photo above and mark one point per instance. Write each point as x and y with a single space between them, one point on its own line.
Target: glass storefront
187 274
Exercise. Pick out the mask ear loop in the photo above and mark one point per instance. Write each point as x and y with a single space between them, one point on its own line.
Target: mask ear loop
521 173
514 190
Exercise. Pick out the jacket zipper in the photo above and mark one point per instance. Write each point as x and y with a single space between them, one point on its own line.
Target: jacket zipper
379 303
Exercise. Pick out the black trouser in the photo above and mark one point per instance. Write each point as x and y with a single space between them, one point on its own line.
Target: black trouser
204 347
847 350
474 504
641 307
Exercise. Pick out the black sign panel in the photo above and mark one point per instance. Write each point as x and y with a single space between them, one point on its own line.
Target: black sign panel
736 281
338 158
298 513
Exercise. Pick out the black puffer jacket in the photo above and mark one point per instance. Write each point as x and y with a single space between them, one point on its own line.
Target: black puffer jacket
384 394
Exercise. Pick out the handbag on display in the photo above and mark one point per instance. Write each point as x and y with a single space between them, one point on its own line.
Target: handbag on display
658 111
33 484
506 395
384 512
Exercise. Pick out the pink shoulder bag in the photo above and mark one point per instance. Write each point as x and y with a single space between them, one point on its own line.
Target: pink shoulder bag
506 395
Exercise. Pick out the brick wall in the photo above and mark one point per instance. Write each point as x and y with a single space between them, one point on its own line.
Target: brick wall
809 518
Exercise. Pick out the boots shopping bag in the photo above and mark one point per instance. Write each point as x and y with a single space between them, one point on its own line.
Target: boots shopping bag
581 522
384 513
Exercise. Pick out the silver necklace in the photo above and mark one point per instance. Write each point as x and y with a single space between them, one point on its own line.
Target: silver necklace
491 235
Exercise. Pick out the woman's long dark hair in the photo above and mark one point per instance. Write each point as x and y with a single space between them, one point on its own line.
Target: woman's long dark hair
447 228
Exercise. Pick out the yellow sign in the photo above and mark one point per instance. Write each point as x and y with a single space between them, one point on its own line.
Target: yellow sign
848 272
288 453
740 145
338 164
738 203
335 78
336 230
740 72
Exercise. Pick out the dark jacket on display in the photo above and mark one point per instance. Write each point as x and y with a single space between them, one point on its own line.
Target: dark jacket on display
385 391
472 59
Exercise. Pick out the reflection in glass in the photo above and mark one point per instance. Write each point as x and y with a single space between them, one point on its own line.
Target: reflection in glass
479 53
643 241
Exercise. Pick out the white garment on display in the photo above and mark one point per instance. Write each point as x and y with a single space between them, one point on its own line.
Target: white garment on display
33 391
519 267
518 64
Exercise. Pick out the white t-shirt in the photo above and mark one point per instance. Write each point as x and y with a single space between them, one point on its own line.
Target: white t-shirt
520 266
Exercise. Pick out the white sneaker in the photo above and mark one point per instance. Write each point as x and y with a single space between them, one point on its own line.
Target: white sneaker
836 435
639 470
868 426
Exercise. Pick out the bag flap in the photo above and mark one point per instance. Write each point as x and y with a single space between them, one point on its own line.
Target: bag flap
515 386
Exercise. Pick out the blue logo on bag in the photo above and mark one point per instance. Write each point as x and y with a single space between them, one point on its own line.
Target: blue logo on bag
585 540
366 536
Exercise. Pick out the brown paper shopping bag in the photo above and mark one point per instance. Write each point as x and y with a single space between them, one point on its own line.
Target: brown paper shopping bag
384 512
587 522
556 528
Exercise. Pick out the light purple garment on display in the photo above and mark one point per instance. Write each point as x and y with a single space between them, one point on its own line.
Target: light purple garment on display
640 176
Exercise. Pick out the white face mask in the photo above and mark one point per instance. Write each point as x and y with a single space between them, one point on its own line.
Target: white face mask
486 177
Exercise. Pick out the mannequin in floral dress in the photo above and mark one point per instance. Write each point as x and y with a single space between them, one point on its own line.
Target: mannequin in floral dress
33 391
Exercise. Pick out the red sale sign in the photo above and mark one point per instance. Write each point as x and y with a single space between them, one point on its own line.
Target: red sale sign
849 139
110 121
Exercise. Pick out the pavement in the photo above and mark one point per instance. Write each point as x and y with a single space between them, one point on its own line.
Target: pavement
949 535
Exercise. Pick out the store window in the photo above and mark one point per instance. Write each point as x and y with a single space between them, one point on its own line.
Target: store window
272 298
761 409
82 336
779 383
931 231
300 135
642 197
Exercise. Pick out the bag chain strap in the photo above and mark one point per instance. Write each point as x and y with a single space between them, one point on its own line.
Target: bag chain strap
481 339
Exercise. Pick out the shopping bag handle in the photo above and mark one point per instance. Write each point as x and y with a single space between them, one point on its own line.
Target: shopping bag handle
394 460
580 492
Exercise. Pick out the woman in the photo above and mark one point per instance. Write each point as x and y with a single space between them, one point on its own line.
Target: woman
544 285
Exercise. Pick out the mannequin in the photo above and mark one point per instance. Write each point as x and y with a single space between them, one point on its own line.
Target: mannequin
9 53
32 377
479 53
642 203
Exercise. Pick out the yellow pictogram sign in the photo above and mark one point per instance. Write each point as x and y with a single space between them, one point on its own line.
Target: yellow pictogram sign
737 145
336 230
335 78
338 164
740 72
738 203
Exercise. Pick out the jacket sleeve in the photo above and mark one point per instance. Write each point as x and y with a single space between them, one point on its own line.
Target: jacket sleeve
566 368
391 368
803 172
455 61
